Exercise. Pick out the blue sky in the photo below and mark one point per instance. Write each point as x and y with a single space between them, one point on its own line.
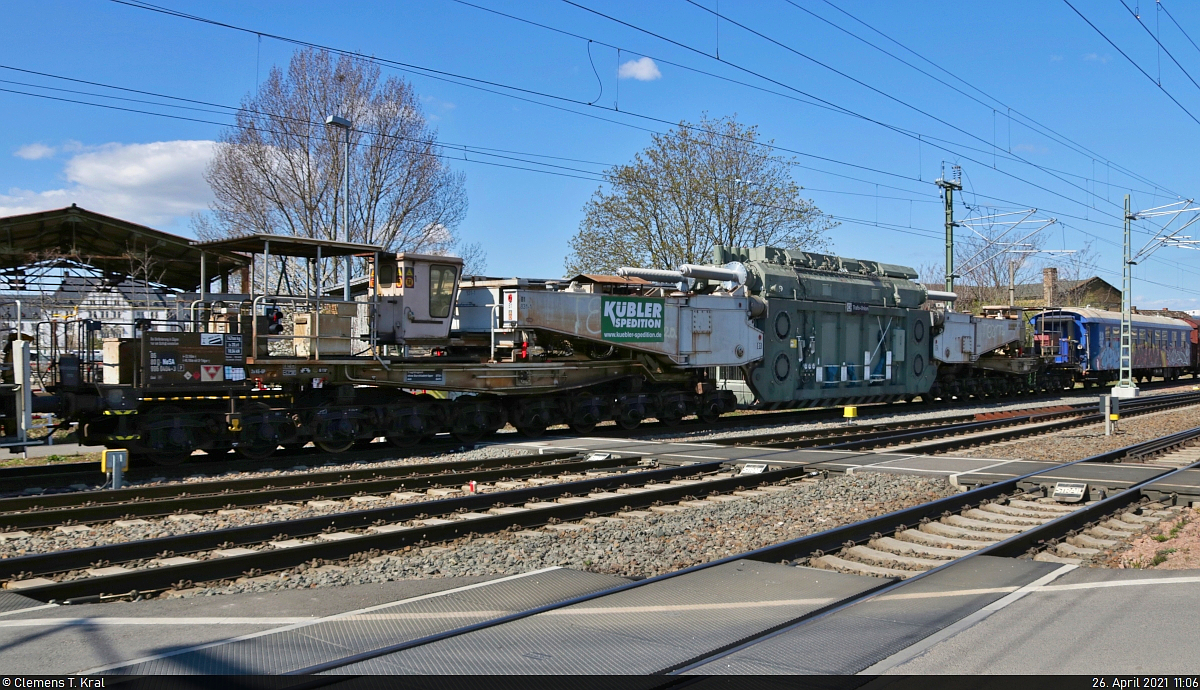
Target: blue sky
1039 58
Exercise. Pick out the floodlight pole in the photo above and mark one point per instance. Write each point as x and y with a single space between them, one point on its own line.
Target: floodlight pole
948 186
344 124
1125 387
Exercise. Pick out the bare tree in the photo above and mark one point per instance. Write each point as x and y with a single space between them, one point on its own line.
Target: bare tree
695 187
988 263
474 258
1076 267
280 169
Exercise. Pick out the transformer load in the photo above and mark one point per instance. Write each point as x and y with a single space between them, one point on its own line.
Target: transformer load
842 331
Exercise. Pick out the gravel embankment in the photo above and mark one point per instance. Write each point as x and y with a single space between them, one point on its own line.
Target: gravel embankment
634 547
1173 544
1082 442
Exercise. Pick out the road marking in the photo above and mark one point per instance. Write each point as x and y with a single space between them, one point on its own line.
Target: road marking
587 611
915 650
340 616
199 620
31 608
947 593
1121 583
956 475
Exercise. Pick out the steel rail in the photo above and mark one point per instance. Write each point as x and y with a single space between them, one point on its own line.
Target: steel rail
1146 407
884 435
267 495
238 484
151 579
791 550
340 521
1017 545
114 504
18 478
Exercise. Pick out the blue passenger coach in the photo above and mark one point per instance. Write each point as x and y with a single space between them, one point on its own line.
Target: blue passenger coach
1088 342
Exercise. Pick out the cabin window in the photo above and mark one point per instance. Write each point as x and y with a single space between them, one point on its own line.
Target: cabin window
441 290
387 273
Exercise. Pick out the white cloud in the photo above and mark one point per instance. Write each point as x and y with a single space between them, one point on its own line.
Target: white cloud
33 152
642 69
153 184
1094 57
1030 148
435 102
1056 58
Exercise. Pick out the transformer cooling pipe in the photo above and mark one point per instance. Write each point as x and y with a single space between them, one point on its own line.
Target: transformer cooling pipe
939 296
652 274
732 275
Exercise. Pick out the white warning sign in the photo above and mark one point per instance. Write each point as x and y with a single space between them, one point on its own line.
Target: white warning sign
212 372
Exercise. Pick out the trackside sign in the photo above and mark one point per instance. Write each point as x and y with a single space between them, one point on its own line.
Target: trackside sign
632 319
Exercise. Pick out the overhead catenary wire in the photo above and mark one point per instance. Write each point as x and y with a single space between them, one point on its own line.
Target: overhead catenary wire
487 151
1133 62
878 91
690 48
663 121
1177 25
801 99
568 173
1028 121
475 82
1160 45
1054 135
216 108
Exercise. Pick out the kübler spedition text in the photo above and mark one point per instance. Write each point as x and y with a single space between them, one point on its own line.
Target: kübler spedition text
634 314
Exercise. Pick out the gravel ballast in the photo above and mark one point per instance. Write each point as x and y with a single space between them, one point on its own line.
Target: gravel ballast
634 546
1083 442
909 412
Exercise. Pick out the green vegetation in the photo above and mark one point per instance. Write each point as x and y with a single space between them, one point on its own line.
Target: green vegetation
17 461
1160 556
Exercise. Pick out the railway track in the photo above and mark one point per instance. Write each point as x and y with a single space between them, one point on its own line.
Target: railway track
616 485
356 487
360 485
85 475
959 434
129 570
1052 525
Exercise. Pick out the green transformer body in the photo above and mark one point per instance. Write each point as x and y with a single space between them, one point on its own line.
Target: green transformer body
837 331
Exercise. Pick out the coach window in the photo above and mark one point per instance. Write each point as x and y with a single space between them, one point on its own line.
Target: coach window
441 290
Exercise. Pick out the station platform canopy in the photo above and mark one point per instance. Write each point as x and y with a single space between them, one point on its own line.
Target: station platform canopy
287 245
111 245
